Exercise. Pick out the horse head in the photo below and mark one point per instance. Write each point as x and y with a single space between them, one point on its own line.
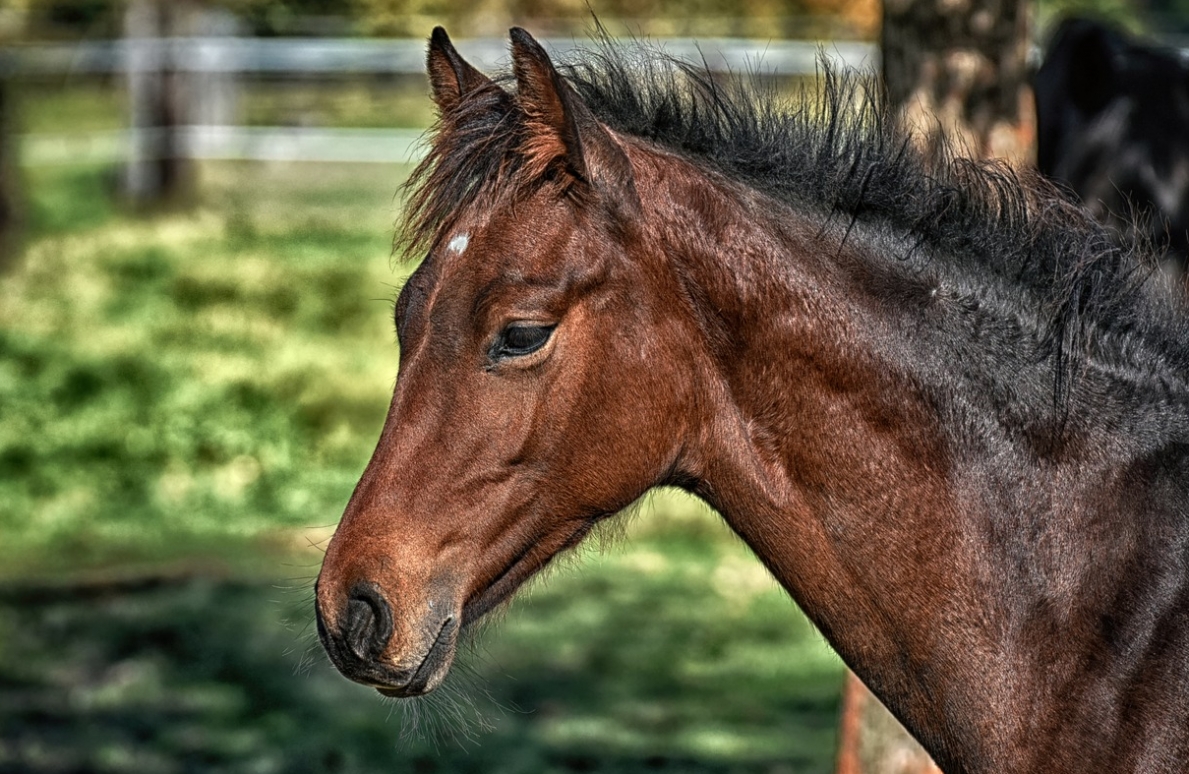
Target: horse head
539 387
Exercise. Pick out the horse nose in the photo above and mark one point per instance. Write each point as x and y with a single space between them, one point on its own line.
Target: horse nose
361 633
367 626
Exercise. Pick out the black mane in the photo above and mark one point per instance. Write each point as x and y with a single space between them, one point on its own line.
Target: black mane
837 152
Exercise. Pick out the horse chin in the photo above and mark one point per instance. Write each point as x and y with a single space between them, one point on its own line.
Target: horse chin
412 691
432 670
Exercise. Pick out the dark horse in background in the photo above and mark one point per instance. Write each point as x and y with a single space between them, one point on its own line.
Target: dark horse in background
946 410
1113 124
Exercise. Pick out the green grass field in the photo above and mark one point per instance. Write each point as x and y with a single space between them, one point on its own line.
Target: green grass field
186 401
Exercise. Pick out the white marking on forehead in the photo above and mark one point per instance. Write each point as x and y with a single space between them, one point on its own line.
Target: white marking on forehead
459 243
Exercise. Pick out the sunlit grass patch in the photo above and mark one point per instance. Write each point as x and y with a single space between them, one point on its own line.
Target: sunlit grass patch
188 376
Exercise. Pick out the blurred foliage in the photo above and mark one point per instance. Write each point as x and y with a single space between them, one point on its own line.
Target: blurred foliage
759 18
763 18
1156 16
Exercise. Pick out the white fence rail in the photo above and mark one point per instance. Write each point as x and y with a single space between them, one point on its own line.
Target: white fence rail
215 62
314 56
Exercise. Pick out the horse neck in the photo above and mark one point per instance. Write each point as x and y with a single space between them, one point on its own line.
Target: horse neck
828 456
809 445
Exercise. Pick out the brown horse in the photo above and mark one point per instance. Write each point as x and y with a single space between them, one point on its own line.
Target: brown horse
947 412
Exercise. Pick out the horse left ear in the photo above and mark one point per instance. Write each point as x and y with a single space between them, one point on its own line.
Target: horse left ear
562 128
451 78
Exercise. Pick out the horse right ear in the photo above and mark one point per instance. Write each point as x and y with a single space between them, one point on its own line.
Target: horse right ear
560 127
451 78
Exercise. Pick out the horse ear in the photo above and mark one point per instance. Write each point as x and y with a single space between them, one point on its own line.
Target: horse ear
561 127
451 78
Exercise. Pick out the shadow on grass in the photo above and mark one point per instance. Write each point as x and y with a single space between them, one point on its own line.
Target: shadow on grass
195 674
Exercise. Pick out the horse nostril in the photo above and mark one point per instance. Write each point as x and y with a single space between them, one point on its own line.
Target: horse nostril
367 626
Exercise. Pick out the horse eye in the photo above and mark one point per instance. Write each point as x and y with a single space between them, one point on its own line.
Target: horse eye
518 340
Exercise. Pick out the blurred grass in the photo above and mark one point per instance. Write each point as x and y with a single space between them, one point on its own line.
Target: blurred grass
186 401
88 104
70 105
192 377
675 655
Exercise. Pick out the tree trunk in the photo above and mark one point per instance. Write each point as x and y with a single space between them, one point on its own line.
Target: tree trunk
9 190
956 72
158 169
956 75
871 741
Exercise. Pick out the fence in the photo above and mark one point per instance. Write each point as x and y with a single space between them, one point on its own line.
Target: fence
212 65
311 56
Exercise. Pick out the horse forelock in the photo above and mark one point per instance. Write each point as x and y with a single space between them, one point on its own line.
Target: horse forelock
470 147
488 144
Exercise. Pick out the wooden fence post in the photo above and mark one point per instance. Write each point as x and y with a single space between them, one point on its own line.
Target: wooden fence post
214 92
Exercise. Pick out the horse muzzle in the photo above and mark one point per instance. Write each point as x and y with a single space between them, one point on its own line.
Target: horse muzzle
364 641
